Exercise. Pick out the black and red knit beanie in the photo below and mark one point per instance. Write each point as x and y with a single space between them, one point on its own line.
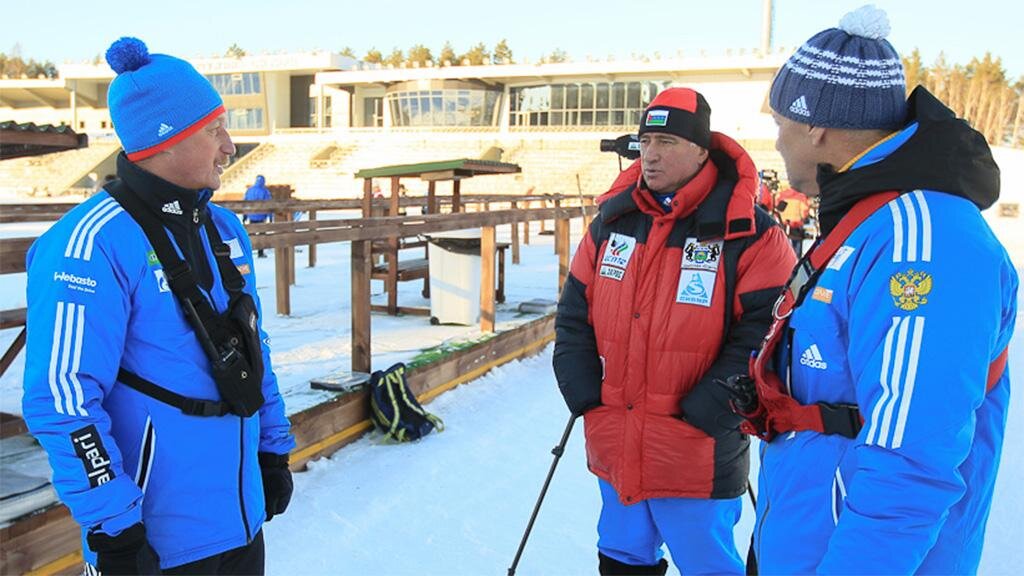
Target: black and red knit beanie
680 111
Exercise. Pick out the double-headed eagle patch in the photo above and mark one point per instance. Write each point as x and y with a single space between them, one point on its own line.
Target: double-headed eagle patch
910 289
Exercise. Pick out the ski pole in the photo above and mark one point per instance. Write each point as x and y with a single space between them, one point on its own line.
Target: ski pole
557 451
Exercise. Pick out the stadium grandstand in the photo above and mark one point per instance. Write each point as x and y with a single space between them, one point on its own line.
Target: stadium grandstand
312 120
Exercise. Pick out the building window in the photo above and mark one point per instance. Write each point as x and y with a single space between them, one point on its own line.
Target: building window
582 104
441 107
236 84
245 119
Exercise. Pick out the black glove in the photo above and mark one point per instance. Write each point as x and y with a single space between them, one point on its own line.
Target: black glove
277 482
126 553
581 398
707 408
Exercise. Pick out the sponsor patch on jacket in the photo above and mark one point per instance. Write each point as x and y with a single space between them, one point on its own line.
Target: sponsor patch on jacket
657 118
840 257
910 289
90 450
236 248
617 253
243 269
695 287
75 282
161 280
151 258
701 255
822 295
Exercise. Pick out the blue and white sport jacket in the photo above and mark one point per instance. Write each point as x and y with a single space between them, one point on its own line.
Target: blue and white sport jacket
904 322
98 301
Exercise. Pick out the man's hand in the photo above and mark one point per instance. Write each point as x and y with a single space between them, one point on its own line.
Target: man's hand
277 482
126 553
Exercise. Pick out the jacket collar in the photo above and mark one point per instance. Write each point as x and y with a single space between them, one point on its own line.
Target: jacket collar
170 201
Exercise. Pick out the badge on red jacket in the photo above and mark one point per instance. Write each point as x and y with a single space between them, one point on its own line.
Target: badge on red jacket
617 253
698 269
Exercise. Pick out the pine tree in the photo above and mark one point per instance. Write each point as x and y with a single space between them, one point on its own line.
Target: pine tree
477 55
395 58
447 56
347 51
419 54
373 56
502 53
234 51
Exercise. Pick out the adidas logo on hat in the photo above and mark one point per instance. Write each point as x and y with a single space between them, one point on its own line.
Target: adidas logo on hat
812 358
164 129
799 106
172 208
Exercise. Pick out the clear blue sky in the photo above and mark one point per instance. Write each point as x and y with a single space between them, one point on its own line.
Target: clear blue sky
63 30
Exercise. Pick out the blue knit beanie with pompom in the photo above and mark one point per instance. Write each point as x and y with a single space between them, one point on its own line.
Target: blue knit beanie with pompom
156 100
846 77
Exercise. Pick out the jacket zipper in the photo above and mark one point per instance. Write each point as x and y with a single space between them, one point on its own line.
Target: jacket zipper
767 506
241 467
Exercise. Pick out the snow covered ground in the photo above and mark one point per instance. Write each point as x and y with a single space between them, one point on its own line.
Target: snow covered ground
457 502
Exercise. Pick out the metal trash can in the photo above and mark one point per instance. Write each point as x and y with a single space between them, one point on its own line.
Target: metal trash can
454 277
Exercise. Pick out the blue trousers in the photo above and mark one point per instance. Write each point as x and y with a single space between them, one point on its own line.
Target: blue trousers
698 532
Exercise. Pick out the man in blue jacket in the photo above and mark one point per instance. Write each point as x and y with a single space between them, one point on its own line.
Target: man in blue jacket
258 192
148 377
885 408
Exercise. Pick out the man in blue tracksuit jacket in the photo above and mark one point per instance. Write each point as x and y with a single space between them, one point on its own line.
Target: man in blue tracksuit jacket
907 324
148 483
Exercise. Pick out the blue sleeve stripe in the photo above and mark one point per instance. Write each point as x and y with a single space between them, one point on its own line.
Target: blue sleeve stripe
895 388
81 241
65 359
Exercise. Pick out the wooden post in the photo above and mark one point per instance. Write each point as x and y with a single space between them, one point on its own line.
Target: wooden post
290 251
515 236
367 196
393 241
562 243
312 244
281 272
487 248
526 225
432 197
543 223
558 237
587 218
456 196
361 267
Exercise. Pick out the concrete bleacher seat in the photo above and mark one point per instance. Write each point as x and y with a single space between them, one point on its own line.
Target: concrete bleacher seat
53 174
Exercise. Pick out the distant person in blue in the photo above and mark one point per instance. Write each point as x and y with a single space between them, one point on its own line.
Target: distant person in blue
148 378
882 386
258 192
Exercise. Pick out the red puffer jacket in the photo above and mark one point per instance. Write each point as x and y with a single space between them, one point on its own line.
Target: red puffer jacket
656 307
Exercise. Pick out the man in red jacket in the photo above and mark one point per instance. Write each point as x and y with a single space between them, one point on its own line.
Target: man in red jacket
670 290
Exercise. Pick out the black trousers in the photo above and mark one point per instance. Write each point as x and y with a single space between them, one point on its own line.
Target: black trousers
244 561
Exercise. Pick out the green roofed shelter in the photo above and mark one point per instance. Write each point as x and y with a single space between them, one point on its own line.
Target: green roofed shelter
432 172
29 139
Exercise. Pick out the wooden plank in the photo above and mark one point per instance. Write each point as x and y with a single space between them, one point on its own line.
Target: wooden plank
558 204
456 196
432 197
37 540
562 242
487 248
11 425
12 318
361 266
12 352
12 254
408 310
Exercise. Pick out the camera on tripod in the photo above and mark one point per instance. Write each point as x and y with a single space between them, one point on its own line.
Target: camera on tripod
626 146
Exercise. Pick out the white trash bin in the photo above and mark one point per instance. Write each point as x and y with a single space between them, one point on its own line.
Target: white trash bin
454 277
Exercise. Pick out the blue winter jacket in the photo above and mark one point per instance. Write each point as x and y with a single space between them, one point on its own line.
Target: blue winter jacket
258 192
98 301
903 322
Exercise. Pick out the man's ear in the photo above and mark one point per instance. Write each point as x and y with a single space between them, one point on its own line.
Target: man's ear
817 134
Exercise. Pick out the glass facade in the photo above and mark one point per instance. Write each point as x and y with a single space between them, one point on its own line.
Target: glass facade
236 84
245 119
582 104
444 105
